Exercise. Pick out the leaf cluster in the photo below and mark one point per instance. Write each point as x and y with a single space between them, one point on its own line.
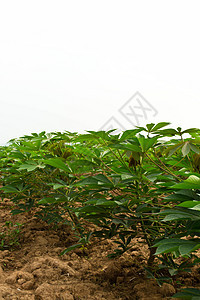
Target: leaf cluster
144 182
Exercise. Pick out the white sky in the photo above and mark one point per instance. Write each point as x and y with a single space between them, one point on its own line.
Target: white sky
71 65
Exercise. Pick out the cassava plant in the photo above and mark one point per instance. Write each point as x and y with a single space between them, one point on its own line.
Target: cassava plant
125 184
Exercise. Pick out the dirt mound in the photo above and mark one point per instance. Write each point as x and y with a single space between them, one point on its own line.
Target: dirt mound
36 271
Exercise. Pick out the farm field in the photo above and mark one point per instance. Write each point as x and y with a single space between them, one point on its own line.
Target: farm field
36 271
101 216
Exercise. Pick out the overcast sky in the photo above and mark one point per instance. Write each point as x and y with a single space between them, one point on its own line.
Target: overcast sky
90 65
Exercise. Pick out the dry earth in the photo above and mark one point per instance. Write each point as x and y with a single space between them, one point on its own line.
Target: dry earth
36 271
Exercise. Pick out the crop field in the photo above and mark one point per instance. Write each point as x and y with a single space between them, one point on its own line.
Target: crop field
101 215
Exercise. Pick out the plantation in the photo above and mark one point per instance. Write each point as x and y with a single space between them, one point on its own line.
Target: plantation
101 215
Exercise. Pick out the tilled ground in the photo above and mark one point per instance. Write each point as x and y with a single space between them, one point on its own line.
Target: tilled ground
36 271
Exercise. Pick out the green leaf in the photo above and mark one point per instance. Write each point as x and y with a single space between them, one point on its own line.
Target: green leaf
30 145
168 132
83 137
47 200
170 241
102 178
101 134
192 182
179 197
188 248
150 126
97 181
128 176
196 207
71 248
17 154
57 186
130 147
146 143
194 148
87 181
16 211
104 202
170 245
28 167
84 150
188 293
91 209
186 148
181 213
172 149
129 134
9 189
189 204
160 125
191 130
57 163
166 248
178 216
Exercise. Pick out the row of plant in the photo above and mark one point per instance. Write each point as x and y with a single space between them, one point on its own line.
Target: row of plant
144 182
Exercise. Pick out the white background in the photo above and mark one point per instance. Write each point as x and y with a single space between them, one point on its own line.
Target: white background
71 65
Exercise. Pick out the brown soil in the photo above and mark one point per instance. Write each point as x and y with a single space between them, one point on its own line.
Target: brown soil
36 271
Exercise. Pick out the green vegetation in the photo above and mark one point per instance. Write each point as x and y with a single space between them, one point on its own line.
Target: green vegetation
9 235
143 183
